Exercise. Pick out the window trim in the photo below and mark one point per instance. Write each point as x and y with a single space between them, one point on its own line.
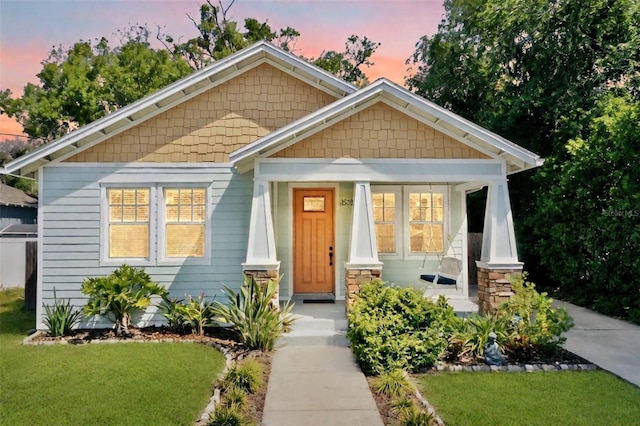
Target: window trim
157 237
161 223
397 190
105 259
406 190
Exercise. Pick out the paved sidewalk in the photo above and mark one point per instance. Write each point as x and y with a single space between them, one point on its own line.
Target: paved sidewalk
318 385
612 344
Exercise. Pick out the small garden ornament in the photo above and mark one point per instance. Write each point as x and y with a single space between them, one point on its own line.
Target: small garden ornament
492 354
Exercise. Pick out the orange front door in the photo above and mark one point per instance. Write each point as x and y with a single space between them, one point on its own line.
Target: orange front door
313 242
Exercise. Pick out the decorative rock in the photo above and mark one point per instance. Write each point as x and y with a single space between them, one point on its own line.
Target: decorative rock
494 368
548 367
514 368
529 368
564 367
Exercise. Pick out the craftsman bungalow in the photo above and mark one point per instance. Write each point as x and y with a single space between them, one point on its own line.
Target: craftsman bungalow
266 164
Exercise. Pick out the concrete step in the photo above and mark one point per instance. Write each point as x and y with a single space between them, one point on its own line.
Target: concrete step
313 338
310 323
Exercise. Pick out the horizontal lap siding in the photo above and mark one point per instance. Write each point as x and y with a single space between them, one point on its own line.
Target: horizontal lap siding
71 209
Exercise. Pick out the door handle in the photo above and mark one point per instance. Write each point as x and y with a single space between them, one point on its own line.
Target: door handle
330 255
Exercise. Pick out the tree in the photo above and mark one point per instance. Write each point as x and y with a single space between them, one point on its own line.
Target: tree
533 71
219 36
9 151
347 65
592 212
90 80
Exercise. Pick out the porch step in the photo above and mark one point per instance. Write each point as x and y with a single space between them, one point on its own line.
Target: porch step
317 324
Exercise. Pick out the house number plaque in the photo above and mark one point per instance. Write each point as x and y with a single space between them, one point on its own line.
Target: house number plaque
346 201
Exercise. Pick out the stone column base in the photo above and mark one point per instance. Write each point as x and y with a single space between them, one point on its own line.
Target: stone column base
354 278
262 278
494 288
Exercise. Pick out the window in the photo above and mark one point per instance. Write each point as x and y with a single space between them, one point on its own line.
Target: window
384 216
185 216
426 222
409 220
128 222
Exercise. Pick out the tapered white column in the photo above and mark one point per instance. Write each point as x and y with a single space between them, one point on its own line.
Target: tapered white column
499 249
261 247
363 250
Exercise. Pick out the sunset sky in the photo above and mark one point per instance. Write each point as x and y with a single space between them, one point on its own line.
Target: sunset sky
30 28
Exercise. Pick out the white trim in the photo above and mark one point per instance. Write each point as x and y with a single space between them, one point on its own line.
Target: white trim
363 250
40 267
397 190
465 243
144 165
162 259
290 230
376 170
105 260
446 223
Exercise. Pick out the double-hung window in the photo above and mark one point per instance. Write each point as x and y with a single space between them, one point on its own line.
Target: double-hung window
426 220
155 224
386 203
409 220
128 215
184 222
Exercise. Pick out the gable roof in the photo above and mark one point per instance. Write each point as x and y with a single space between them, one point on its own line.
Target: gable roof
10 196
384 90
192 85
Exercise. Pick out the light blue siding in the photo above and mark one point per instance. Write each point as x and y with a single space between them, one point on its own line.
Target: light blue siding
71 246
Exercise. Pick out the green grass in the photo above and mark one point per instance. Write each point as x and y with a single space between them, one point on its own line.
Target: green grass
119 384
549 398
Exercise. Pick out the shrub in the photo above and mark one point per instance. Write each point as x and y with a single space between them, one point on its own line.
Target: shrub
392 383
60 318
173 311
470 340
251 311
413 416
228 416
395 328
198 313
535 328
234 397
246 375
115 297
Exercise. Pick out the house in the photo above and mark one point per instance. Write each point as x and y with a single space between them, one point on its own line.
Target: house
16 207
265 164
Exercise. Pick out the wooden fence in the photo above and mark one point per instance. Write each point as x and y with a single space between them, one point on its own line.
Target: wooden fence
31 275
474 247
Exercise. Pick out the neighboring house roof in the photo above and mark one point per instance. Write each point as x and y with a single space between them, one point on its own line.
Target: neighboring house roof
200 81
383 90
10 196
19 230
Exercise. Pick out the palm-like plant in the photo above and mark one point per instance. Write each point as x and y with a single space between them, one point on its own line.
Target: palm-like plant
118 295
251 311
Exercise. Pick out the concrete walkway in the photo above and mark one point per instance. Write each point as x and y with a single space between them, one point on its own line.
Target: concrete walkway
611 344
316 386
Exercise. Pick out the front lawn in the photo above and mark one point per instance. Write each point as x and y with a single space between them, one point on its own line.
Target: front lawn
135 383
552 398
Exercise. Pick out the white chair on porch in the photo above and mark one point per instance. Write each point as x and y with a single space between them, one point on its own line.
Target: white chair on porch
448 272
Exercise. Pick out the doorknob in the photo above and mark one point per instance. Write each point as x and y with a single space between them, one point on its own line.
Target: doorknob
330 255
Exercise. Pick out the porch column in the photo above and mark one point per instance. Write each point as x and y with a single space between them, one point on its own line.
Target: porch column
261 262
499 256
362 264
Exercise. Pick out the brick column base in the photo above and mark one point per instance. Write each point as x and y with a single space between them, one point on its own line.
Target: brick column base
354 278
262 278
494 288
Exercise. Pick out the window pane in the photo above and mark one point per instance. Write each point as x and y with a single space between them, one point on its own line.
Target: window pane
199 214
378 200
199 196
142 196
378 214
115 213
426 237
129 213
414 214
129 197
186 196
185 213
171 196
143 214
313 204
129 241
115 196
185 240
171 213
385 238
